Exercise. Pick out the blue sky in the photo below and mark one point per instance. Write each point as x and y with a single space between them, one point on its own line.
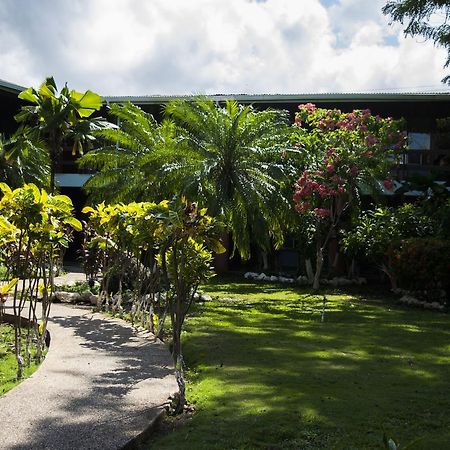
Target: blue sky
137 47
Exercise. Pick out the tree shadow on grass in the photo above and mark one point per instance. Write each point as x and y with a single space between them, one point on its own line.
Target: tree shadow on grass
266 375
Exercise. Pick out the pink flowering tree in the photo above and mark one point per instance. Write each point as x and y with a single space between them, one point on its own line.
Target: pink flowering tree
343 152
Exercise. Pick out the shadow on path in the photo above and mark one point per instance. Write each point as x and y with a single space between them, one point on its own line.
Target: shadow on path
101 385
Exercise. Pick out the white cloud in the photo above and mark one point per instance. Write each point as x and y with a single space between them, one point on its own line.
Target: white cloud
120 47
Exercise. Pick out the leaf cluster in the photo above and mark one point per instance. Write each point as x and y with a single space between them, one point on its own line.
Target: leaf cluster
375 231
34 225
227 158
130 162
426 18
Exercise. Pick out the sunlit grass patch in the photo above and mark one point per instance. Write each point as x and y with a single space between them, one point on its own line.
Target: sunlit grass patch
265 372
8 363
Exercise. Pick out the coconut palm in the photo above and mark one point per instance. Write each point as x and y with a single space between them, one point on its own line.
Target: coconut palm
236 169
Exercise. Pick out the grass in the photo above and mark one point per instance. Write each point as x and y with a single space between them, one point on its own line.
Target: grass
264 372
8 363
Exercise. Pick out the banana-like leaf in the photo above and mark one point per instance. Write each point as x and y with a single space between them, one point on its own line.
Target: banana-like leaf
29 95
87 103
216 246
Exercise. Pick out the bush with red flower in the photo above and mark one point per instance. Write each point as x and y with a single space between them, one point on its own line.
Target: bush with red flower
342 152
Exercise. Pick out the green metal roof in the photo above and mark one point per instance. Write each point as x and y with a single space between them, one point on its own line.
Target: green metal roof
11 87
288 98
271 98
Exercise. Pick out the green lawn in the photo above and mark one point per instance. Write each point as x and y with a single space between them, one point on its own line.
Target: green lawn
264 372
8 363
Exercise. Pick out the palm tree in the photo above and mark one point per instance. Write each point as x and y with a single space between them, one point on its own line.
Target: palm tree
57 118
236 169
130 163
228 159
23 161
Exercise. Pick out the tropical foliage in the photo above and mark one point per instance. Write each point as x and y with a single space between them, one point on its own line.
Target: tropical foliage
403 241
34 227
167 249
131 161
426 18
235 167
57 119
345 152
23 161
226 158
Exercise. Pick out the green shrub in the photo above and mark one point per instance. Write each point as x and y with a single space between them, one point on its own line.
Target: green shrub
422 265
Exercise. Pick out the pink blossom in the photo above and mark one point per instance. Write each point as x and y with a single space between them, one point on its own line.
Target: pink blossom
371 140
310 107
330 124
337 179
350 126
388 184
298 122
302 207
330 168
354 171
322 212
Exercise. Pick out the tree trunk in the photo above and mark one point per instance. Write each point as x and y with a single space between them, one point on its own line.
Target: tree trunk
265 259
352 269
309 270
221 262
319 265
179 374
179 366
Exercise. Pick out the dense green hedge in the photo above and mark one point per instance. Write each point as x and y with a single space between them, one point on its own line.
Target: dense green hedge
422 265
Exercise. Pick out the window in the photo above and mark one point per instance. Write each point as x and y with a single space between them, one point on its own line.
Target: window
419 141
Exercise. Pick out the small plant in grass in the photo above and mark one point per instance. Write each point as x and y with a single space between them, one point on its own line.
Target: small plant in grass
390 444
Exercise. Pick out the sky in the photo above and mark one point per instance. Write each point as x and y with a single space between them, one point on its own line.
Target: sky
170 47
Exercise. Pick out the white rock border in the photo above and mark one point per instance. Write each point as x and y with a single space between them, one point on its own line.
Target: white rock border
304 281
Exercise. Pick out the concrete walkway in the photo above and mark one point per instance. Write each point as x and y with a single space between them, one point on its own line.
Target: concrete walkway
101 385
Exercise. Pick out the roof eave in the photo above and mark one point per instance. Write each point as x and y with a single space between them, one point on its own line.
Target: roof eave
289 98
11 87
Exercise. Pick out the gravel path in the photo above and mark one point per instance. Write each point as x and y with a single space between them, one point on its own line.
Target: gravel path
101 385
